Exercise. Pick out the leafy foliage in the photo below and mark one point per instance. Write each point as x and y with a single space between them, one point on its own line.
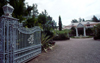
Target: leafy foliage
74 21
62 35
42 18
45 41
29 8
73 31
18 5
95 19
47 23
31 22
89 32
30 17
35 10
83 20
96 31
80 19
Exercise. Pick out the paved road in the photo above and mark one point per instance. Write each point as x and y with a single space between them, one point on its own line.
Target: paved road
72 51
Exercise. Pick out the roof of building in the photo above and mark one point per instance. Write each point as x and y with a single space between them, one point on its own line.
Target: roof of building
83 23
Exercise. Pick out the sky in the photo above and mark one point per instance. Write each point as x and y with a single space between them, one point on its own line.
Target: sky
68 9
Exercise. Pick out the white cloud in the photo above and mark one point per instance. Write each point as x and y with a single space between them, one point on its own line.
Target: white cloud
68 9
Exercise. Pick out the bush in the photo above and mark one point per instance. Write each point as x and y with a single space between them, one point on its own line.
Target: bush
73 31
49 33
96 31
46 41
95 38
61 35
89 32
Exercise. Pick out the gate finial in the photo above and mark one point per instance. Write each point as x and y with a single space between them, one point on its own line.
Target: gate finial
8 10
7 0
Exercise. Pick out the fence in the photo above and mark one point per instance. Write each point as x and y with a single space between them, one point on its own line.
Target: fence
17 43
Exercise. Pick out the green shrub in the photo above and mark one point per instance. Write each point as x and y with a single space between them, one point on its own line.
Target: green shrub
46 41
61 35
73 31
96 31
95 38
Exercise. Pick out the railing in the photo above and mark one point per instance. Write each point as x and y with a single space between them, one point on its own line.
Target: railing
28 44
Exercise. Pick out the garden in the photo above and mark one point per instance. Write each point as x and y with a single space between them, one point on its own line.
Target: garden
30 17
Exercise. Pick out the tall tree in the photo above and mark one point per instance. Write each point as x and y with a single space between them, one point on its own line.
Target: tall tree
60 23
94 19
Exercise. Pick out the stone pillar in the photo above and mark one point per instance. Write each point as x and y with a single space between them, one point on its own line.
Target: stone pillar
76 32
84 31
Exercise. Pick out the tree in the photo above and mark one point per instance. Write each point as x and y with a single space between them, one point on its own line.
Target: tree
96 31
47 23
32 16
32 10
29 9
53 24
50 24
89 31
35 10
42 18
18 5
74 21
31 22
60 23
94 19
73 31
20 9
83 20
80 20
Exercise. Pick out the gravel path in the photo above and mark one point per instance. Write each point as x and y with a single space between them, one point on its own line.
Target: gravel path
72 51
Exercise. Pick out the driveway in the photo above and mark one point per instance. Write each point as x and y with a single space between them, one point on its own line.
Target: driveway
72 51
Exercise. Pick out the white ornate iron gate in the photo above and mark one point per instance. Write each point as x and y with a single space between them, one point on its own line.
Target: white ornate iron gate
28 44
18 44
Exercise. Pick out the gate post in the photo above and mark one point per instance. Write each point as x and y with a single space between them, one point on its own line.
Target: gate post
7 35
